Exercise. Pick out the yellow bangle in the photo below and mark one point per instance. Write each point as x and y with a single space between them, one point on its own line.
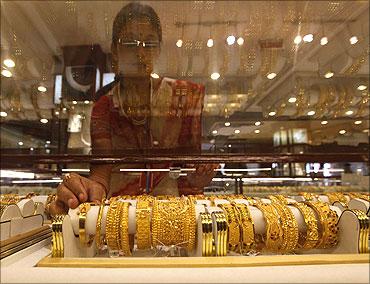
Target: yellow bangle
247 227
329 224
221 228
112 226
206 234
123 228
98 238
363 242
143 224
311 237
84 241
57 246
234 237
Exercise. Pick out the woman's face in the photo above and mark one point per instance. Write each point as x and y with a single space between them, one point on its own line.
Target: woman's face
137 49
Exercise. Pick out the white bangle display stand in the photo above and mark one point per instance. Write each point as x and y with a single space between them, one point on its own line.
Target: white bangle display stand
348 229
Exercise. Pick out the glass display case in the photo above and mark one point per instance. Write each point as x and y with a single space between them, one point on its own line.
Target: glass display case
185 134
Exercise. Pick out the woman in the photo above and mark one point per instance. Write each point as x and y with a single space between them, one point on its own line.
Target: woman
139 113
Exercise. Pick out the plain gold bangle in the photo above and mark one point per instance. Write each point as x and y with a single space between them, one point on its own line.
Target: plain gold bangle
234 237
98 238
84 208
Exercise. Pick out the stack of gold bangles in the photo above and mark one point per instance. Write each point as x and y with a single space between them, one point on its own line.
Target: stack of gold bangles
363 241
57 236
207 234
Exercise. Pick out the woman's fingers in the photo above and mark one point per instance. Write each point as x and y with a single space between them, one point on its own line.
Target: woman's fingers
57 208
65 195
73 183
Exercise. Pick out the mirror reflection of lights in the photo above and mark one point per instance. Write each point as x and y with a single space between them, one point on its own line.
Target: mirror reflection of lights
214 132
342 131
361 87
230 40
257 123
229 145
41 89
298 39
154 75
179 43
311 112
240 41
3 114
328 75
324 40
6 73
20 143
292 100
236 131
271 76
353 40
324 122
44 120
227 123
86 102
257 131
210 42
308 38
357 122
215 76
9 63
74 102
349 112
272 113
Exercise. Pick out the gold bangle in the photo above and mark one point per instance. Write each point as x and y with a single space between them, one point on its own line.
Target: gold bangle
364 230
221 229
143 224
233 225
311 237
57 246
206 234
274 234
174 223
247 227
98 238
84 241
123 228
329 224
112 226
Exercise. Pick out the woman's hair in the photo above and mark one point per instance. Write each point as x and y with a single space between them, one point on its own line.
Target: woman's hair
132 11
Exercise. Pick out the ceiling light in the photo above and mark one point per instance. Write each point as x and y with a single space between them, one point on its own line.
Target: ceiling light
20 143
41 89
365 130
349 112
214 132
6 73
297 39
324 122
257 131
179 43
56 112
357 122
229 145
215 76
324 40
292 100
74 102
3 114
47 141
227 123
86 102
353 40
230 40
210 42
9 63
311 112
271 76
154 76
257 123
236 131
44 120
240 41
31 149
342 131
361 87
328 74
272 113
308 38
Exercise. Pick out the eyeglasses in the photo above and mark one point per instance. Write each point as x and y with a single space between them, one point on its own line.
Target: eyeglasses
136 43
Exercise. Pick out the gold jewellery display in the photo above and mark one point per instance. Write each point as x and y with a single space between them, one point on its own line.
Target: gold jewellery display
363 241
57 249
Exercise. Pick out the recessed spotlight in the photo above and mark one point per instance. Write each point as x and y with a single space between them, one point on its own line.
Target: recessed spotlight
227 123
154 76
31 149
215 76
361 87
6 73
41 89
236 131
298 39
3 114
324 122
48 142
44 120
328 74
74 102
353 40
179 43
56 112
240 41
308 38
271 75
365 130
9 63
257 131
230 40
349 112
272 113
357 122
86 102
227 184
214 132
342 131
324 40
311 112
229 145
257 123
292 100
210 42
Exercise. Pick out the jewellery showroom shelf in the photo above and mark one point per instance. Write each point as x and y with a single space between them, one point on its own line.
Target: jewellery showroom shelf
193 262
11 159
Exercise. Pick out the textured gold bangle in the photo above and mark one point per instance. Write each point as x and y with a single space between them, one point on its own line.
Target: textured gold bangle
84 240
289 226
274 232
98 237
123 228
57 246
221 229
206 234
329 224
2 209
173 223
234 238
309 239
247 227
112 226
308 196
363 241
143 224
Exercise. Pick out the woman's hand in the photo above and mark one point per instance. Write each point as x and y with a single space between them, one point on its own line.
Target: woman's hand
74 190
202 176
